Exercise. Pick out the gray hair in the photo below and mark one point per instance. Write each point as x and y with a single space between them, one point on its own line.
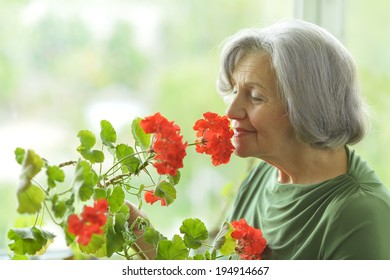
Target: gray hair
316 77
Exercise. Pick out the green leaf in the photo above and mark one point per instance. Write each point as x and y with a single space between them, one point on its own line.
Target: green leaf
213 255
19 155
59 207
88 140
125 154
70 202
115 239
107 134
30 197
19 258
194 232
117 230
167 191
100 193
69 237
116 199
96 246
29 241
172 250
85 180
125 211
92 155
174 180
30 200
207 255
95 156
54 173
153 236
141 138
198 257
31 166
224 242
210 256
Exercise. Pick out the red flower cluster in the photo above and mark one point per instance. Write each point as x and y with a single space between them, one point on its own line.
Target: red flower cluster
250 240
168 144
151 198
92 220
214 137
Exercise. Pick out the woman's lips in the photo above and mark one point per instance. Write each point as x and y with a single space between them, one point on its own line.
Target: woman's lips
238 132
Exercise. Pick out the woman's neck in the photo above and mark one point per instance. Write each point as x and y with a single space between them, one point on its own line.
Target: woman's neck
308 165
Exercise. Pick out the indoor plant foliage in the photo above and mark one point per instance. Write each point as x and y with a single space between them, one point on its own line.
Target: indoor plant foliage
91 207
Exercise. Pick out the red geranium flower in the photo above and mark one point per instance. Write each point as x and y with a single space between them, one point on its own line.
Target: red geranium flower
151 198
158 124
92 220
168 144
214 137
250 240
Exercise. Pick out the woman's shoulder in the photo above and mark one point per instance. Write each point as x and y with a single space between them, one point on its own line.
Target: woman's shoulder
361 171
357 222
359 228
360 199
357 197
367 201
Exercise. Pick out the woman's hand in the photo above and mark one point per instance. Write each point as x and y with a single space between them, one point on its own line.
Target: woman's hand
145 250
135 213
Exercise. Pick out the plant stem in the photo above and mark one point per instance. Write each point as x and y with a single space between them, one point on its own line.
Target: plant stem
194 144
115 180
122 176
207 245
51 216
123 159
36 219
66 191
67 163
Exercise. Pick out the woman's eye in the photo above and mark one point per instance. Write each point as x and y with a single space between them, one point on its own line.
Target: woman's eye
257 97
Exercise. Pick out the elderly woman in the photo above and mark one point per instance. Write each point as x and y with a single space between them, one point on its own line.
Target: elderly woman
296 105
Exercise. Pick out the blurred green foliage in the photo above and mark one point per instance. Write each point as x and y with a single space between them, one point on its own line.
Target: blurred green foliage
64 63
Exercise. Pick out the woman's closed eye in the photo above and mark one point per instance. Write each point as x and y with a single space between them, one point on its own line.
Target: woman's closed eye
257 96
252 93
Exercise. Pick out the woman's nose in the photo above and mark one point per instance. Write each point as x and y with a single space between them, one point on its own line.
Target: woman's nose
236 109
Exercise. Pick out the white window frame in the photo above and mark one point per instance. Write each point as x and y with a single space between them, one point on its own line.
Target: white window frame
329 14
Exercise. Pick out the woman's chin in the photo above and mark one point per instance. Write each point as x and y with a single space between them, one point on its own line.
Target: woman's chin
241 152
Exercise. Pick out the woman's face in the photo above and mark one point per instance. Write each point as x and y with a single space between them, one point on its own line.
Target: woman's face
261 126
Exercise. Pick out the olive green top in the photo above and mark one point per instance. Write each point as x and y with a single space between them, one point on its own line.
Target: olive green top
347 217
